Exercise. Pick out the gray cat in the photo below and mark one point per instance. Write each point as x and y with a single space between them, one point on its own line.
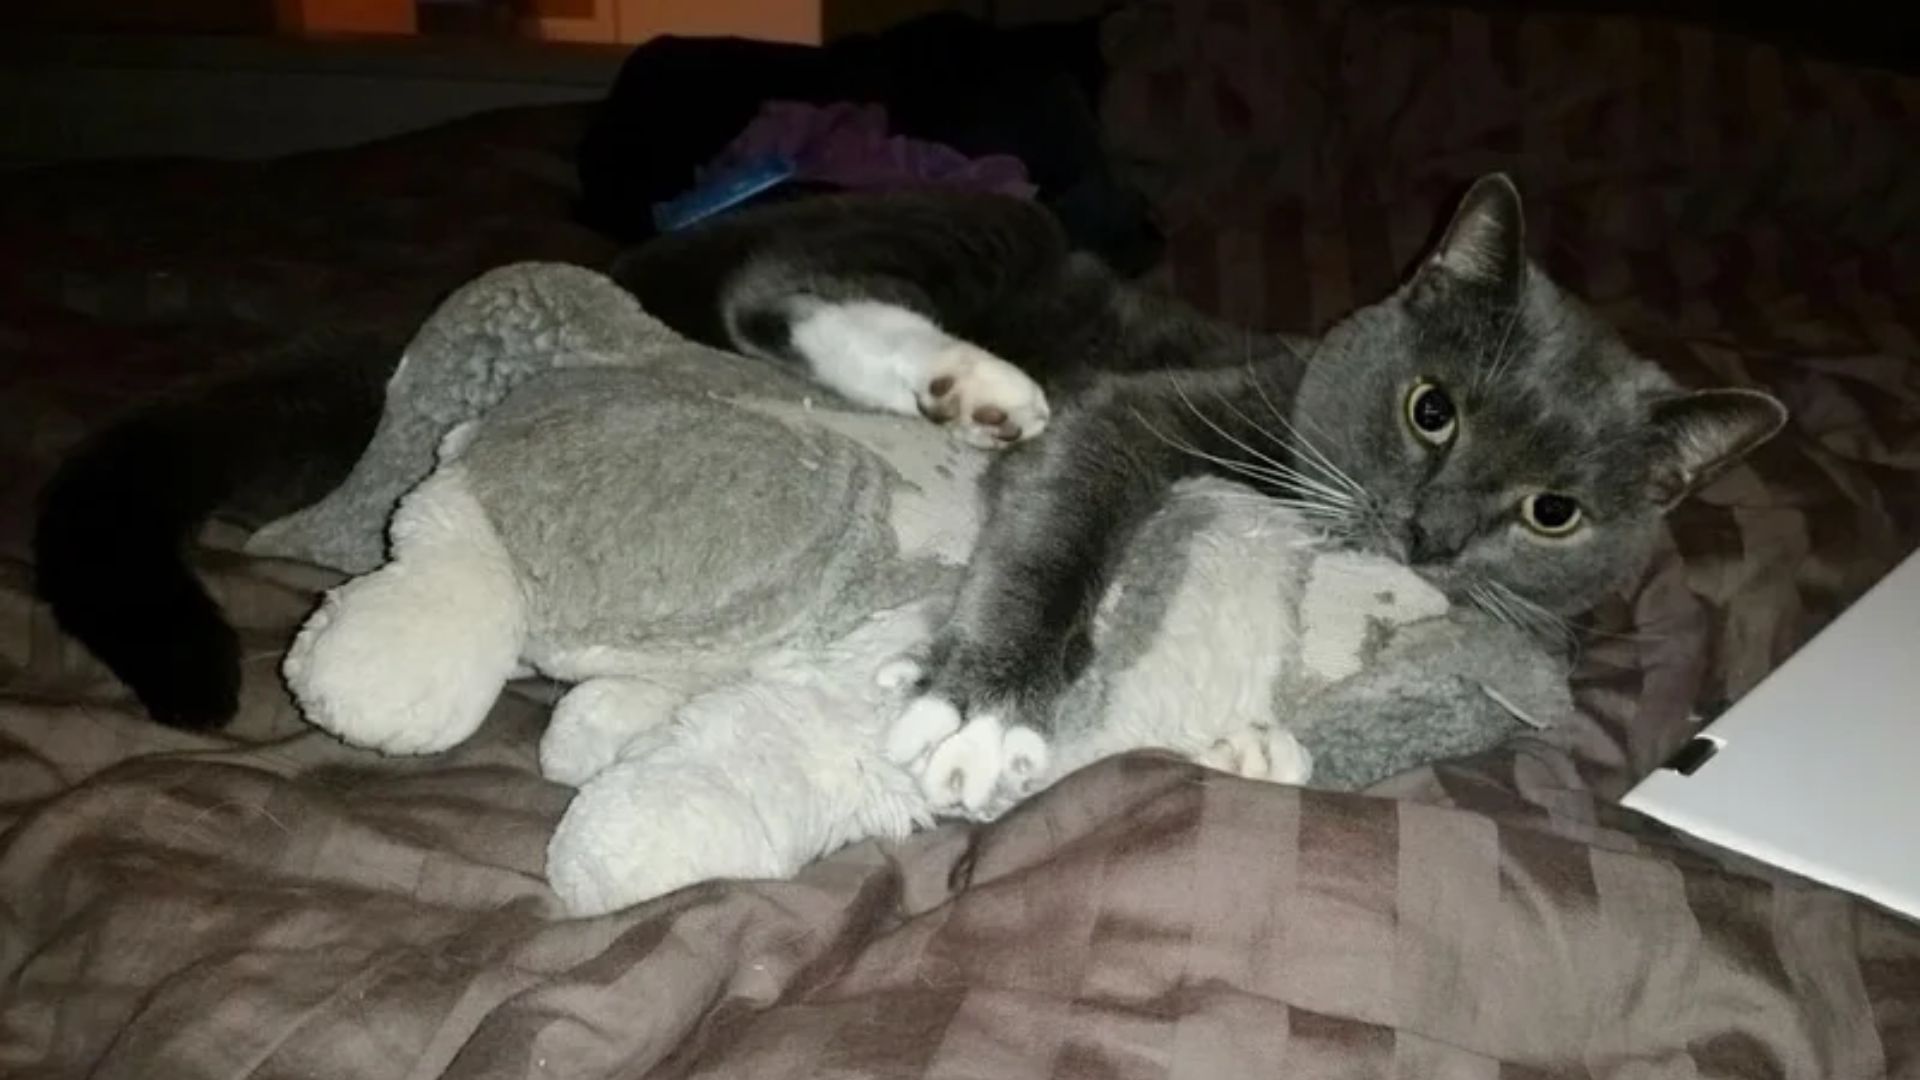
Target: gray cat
1478 425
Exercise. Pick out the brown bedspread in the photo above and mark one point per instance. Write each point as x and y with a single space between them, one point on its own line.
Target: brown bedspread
266 903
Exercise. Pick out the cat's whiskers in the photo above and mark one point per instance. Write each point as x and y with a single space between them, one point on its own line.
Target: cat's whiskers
1325 461
1486 601
1332 476
1330 514
1492 371
1302 447
1309 454
1332 509
1245 469
1627 636
1531 617
1513 607
1294 477
1503 357
1299 478
1522 614
1557 625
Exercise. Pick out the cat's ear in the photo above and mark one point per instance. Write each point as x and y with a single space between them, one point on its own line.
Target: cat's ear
1701 433
1485 243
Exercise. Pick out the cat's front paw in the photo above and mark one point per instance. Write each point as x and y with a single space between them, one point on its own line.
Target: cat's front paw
986 401
966 766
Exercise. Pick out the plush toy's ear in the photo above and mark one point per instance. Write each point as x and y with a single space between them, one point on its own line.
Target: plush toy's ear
1485 243
1701 433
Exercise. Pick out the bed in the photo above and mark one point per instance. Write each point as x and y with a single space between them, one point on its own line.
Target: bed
265 902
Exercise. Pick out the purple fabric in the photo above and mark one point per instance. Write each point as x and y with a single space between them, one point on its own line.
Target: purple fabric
847 145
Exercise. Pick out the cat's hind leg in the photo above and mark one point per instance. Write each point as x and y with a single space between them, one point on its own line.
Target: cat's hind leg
886 356
409 658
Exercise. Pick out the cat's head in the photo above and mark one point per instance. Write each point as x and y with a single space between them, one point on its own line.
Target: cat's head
1509 446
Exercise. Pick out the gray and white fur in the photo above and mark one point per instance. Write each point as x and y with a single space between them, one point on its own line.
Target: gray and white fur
730 566
1478 425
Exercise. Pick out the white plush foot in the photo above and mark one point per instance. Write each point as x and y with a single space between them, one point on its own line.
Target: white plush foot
409 659
596 721
1261 753
378 669
988 402
1243 753
1288 761
897 675
640 830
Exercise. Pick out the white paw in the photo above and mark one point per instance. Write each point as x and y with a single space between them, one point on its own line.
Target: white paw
971 766
924 723
964 771
989 402
984 767
1024 757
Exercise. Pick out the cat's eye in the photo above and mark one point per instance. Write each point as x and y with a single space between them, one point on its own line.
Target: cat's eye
1430 413
1549 514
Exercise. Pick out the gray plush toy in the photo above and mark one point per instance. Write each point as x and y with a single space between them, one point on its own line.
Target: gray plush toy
735 570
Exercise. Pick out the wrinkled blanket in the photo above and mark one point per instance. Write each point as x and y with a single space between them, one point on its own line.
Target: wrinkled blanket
267 903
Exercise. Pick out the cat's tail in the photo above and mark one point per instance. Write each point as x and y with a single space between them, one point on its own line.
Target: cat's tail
115 520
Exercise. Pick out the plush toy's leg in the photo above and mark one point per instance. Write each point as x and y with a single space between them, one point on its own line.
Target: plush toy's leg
647 826
409 659
597 720
753 779
1261 753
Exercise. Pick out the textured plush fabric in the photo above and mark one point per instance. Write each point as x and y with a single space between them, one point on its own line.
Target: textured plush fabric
267 904
490 336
